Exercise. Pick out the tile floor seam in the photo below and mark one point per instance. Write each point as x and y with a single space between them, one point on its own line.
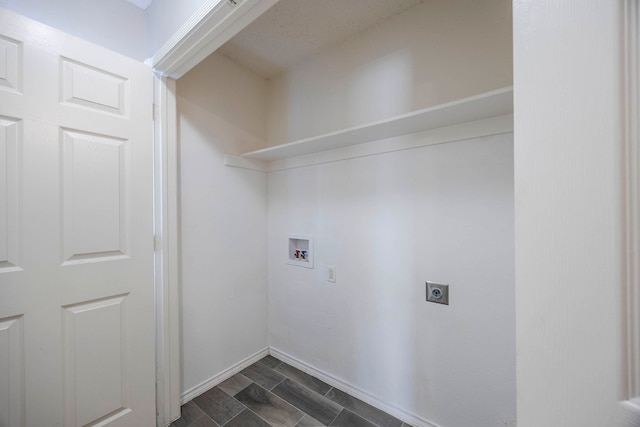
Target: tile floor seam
280 362
358 415
246 409
233 418
211 418
230 395
245 406
302 385
271 389
283 400
312 391
362 415
336 417
257 415
242 375
287 377
195 419
204 415
283 374
371 421
304 414
303 372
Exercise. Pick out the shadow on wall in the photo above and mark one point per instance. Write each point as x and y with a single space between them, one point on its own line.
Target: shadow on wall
381 88
308 102
233 99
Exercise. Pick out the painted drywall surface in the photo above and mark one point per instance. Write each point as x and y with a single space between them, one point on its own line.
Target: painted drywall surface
165 17
233 94
389 223
433 53
223 221
568 212
114 24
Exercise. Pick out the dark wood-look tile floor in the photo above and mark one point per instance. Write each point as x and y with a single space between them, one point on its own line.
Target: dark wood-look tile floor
272 393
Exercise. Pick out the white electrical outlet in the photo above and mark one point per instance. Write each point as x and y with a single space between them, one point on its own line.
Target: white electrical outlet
331 273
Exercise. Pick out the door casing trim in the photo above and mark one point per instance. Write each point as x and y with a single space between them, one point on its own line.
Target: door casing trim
210 27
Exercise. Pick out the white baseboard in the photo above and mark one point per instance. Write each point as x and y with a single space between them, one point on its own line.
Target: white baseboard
352 390
222 376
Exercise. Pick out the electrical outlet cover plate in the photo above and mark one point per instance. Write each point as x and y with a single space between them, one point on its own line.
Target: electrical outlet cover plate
331 273
438 293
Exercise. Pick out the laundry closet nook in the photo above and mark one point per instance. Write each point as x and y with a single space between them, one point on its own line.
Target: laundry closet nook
377 136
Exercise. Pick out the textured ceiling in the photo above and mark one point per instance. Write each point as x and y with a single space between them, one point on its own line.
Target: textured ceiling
293 30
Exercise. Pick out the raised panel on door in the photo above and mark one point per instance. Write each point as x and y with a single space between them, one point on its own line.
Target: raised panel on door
97 384
93 88
10 163
10 64
12 405
94 188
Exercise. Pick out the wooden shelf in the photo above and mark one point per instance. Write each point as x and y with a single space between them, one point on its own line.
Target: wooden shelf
489 104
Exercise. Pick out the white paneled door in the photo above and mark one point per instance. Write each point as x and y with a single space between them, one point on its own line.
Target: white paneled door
76 248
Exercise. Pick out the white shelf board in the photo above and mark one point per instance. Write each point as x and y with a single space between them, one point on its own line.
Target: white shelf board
486 105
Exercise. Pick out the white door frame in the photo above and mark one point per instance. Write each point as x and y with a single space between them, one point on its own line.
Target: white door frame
166 253
630 405
208 29
577 304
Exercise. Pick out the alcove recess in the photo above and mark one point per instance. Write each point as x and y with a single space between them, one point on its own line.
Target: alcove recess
368 73
484 114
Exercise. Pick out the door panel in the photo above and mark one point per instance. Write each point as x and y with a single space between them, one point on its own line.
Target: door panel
10 162
89 328
10 72
95 174
93 88
11 372
76 254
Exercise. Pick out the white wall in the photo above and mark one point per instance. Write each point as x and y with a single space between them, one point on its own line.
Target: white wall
389 223
568 162
221 109
114 24
436 52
